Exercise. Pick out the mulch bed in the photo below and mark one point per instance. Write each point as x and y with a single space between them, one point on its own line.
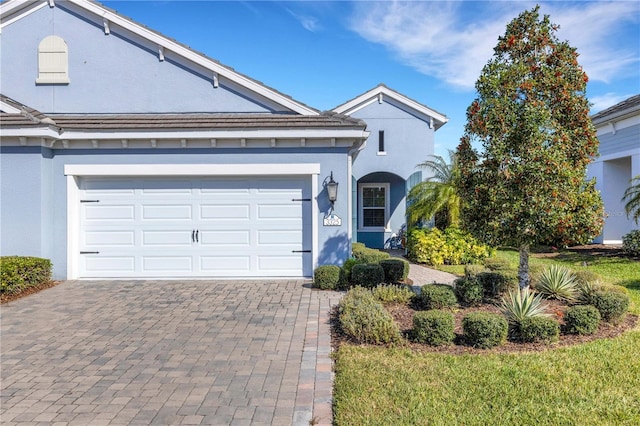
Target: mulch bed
6 298
403 316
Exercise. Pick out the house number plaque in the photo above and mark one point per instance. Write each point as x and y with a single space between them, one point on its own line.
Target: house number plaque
332 220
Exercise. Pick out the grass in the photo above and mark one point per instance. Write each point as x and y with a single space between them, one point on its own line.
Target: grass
594 383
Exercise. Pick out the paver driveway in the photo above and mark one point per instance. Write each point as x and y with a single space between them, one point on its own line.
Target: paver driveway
167 352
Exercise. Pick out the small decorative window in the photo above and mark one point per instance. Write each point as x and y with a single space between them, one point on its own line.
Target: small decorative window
53 61
374 206
381 141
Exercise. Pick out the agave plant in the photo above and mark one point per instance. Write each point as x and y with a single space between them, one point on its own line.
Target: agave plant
557 282
522 303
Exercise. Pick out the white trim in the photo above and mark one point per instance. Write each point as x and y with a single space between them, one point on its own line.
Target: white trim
9 7
73 227
381 153
374 94
623 154
387 207
613 242
614 126
191 169
72 171
349 198
8 108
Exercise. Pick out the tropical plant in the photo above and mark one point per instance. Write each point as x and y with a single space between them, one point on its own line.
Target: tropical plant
631 242
437 193
522 303
557 282
632 197
527 184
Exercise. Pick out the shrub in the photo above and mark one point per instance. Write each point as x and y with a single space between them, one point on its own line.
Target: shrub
484 329
436 296
584 276
472 270
434 327
538 329
395 270
581 319
393 294
469 290
18 273
497 264
631 242
365 320
497 283
611 304
367 275
345 272
521 304
326 277
368 255
557 282
451 247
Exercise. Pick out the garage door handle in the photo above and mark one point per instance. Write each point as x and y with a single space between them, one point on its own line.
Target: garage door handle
197 236
89 252
300 251
193 236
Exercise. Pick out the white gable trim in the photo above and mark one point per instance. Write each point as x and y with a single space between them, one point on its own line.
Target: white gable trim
167 45
375 94
5 107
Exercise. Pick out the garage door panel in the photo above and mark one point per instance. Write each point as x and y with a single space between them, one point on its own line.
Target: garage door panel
239 238
167 238
219 265
218 212
107 212
109 238
167 263
246 227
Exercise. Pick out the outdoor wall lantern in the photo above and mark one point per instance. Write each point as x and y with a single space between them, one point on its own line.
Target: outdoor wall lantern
332 189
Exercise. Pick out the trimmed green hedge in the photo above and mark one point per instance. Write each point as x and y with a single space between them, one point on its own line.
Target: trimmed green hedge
395 270
326 277
484 329
365 320
368 255
367 275
18 273
434 327
451 247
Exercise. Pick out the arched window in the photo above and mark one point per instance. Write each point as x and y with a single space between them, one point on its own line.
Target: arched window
53 61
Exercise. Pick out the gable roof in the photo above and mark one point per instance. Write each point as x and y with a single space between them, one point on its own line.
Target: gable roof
13 10
621 110
381 91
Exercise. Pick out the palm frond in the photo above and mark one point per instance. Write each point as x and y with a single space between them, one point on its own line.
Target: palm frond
632 198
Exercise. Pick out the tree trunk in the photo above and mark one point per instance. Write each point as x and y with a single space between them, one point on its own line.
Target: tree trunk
523 268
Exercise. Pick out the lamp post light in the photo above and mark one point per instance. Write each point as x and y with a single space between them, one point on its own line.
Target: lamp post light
332 190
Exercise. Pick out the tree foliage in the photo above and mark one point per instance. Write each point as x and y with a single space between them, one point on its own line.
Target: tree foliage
632 198
436 194
531 116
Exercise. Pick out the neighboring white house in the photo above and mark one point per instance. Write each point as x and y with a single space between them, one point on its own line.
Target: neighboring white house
619 134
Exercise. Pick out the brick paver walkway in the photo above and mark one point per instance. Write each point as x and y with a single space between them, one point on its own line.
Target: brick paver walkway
167 352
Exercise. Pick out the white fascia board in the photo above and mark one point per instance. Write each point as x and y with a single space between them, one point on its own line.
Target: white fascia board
617 116
10 7
194 57
298 169
29 132
372 96
5 107
212 134
615 156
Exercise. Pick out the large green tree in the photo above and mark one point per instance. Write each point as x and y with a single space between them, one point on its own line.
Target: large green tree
436 194
526 185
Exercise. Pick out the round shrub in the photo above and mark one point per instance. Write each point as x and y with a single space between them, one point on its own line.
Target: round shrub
367 275
585 276
581 319
365 320
497 283
484 329
538 329
326 277
436 296
393 293
345 273
611 304
368 255
434 327
631 242
469 290
395 270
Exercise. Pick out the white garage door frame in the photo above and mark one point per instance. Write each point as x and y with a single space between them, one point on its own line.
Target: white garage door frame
75 172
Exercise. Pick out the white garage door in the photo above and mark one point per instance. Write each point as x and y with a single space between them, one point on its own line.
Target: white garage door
209 227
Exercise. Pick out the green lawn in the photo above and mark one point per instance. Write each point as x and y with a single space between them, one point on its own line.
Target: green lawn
596 383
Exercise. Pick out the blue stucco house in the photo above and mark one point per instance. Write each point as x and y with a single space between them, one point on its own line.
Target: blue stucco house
125 154
618 130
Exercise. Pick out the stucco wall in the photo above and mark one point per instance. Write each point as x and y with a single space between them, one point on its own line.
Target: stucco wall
108 73
30 182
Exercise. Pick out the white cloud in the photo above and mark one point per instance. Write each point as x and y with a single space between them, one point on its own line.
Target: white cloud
308 22
452 41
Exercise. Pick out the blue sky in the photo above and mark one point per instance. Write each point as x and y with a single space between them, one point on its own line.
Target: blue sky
325 53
